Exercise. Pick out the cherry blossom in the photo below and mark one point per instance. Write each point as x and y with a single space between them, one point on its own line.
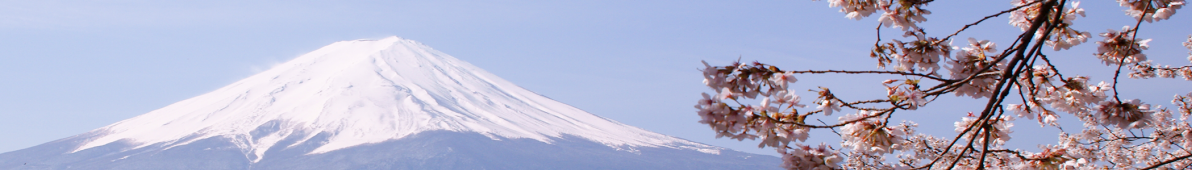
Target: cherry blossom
1054 157
1183 105
828 106
903 14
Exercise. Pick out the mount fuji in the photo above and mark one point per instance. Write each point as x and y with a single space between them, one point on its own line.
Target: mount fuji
390 103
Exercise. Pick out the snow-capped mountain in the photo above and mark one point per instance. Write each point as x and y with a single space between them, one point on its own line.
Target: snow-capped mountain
374 104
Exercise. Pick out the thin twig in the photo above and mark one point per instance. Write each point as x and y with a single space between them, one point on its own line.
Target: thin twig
833 129
871 72
1057 71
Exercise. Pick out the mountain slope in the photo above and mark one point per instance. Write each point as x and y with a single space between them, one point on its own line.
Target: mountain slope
372 104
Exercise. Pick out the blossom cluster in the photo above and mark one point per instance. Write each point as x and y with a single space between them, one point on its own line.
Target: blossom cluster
1062 36
777 121
813 158
1120 47
1188 44
906 94
857 9
1147 69
922 54
1041 86
1183 105
770 120
871 135
1131 114
969 62
904 14
1159 9
1074 96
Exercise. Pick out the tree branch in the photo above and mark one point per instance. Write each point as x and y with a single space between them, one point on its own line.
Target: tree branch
1168 161
871 72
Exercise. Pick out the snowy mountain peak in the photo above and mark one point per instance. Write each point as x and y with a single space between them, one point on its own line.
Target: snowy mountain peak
370 91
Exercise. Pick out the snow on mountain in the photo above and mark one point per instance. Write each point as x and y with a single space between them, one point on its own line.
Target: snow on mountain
370 91
374 104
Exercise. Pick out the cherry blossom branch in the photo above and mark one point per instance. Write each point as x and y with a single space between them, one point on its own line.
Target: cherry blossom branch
1020 55
1133 39
989 105
945 86
871 136
1030 81
1018 154
1145 71
1048 62
1169 161
983 19
833 125
1130 139
871 72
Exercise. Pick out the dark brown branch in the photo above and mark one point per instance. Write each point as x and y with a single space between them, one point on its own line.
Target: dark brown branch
1168 161
833 129
985 149
1048 62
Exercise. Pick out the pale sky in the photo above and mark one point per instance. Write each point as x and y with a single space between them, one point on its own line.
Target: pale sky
70 67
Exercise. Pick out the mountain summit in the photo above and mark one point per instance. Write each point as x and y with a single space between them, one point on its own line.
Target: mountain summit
391 103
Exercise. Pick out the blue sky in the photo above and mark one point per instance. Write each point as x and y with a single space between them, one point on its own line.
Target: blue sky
67 67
